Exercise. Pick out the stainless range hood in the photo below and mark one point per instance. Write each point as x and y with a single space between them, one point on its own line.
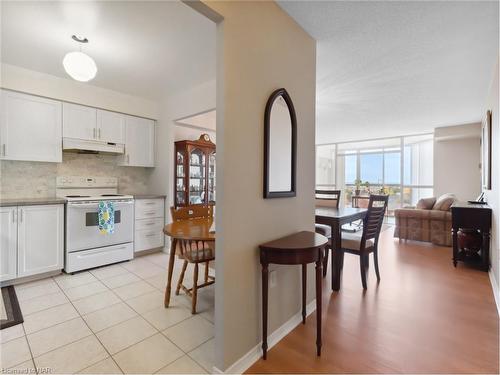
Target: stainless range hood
73 144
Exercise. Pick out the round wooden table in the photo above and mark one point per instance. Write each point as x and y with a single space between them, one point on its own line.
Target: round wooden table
197 229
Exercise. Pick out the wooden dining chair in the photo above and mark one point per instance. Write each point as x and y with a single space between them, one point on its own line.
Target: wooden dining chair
366 243
326 198
194 252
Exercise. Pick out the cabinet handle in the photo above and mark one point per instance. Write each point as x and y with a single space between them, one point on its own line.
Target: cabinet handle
94 134
149 203
3 149
99 133
150 235
21 215
14 216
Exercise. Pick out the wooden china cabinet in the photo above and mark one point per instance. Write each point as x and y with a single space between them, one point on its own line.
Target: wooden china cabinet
194 181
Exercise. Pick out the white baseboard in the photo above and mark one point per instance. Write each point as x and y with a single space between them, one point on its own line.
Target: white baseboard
496 292
244 363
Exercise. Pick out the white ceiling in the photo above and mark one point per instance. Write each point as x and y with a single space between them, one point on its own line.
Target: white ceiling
205 120
394 68
147 49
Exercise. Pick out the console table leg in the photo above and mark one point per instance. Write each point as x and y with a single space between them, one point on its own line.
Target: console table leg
319 272
265 279
304 293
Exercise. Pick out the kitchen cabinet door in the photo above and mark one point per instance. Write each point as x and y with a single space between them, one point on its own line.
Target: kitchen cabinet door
110 126
40 239
139 142
79 122
8 243
30 128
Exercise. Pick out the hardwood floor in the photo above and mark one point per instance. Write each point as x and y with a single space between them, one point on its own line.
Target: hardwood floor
424 317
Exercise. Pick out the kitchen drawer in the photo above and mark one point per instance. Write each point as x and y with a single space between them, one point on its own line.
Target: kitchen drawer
148 239
149 208
145 224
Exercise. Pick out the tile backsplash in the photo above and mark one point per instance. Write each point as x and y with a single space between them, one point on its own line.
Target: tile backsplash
25 179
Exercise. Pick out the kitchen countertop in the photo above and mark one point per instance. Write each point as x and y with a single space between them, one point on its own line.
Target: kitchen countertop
149 196
30 201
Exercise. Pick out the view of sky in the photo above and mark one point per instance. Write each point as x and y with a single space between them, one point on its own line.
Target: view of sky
372 168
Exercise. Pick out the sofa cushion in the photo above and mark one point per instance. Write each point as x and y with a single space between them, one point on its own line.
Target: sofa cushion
426 203
444 202
411 213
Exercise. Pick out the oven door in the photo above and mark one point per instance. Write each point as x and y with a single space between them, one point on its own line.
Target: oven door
82 229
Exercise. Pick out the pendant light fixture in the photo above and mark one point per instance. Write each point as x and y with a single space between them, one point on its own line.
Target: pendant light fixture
80 66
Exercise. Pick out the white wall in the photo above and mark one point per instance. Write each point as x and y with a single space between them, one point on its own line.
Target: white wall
182 132
493 195
185 103
259 49
29 81
457 153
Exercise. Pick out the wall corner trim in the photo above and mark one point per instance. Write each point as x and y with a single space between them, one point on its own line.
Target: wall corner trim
496 292
252 356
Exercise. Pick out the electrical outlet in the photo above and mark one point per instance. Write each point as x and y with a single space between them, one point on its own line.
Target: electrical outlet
272 276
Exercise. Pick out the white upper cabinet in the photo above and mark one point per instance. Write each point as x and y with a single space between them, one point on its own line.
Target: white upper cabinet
40 239
30 128
139 142
8 243
79 122
110 126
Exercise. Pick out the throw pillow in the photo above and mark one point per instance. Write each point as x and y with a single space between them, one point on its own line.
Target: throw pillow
444 202
426 203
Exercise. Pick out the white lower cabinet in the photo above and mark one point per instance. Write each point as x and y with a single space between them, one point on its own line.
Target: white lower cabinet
32 240
149 222
8 243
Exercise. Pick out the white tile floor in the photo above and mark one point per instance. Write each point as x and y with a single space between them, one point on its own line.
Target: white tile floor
110 320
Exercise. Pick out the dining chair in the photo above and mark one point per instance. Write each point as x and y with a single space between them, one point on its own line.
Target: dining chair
366 243
194 252
326 198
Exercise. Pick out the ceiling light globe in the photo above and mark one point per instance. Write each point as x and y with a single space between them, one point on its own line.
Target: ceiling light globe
79 66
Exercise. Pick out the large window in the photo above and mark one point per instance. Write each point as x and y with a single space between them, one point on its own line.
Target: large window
401 167
371 168
325 167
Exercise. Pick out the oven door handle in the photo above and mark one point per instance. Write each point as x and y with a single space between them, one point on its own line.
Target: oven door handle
95 205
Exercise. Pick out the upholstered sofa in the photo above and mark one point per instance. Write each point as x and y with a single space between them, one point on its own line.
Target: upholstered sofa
429 221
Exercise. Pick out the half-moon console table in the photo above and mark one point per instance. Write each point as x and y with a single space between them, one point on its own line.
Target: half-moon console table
299 248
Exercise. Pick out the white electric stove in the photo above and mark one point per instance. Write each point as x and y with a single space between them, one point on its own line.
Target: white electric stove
86 247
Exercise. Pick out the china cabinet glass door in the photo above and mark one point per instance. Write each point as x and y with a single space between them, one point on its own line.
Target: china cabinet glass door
180 188
197 168
211 178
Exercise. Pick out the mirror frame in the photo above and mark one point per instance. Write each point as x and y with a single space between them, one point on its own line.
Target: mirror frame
267 117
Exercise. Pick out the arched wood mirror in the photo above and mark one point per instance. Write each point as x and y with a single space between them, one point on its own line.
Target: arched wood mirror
280 146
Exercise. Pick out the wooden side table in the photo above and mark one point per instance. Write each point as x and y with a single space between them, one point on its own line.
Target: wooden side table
467 216
299 248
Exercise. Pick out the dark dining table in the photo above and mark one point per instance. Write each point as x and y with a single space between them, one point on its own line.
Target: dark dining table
335 218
